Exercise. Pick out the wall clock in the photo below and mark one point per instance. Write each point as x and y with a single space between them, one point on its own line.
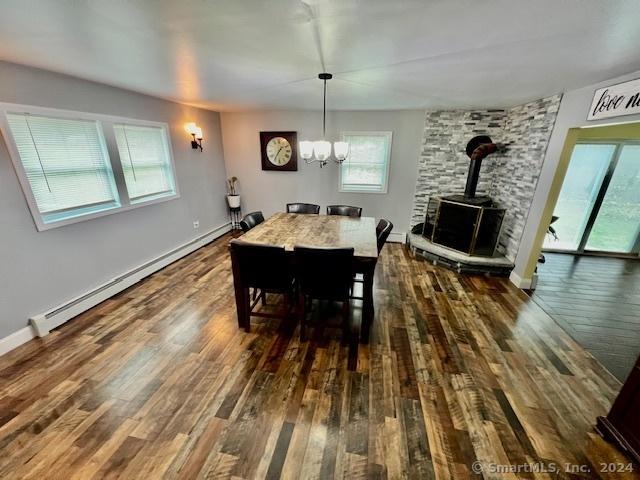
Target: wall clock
279 151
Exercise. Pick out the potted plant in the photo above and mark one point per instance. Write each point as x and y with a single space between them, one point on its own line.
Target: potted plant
233 198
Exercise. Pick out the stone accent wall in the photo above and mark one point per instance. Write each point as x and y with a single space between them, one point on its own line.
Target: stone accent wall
509 176
443 163
526 134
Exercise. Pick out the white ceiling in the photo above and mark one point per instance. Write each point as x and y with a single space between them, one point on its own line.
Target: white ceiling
386 54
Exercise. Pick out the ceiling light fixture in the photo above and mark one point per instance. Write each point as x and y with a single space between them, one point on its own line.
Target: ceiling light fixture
320 150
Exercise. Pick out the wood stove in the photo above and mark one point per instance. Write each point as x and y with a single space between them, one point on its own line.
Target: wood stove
467 223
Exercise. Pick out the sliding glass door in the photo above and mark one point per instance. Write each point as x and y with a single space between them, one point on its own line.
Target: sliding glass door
616 226
598 208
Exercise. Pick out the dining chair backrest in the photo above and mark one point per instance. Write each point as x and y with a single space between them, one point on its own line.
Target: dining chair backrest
382 232
250 220
260 266
303 208
325 273
344 210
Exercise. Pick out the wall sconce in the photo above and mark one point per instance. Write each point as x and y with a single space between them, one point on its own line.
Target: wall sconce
196 132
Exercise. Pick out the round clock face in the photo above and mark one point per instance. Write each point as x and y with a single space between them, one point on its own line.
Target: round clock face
279 151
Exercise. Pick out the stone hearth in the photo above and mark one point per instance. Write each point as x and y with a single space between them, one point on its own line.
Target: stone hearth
498 265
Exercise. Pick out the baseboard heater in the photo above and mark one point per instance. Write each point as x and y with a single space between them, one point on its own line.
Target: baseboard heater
45 322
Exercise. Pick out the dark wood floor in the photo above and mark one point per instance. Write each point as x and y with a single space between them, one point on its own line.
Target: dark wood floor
159 382
596 300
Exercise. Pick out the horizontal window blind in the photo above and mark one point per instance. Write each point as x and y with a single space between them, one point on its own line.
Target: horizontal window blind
66 163
367 165
146 164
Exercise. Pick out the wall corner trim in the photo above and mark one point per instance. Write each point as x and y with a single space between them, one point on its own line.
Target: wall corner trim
523 283
43 323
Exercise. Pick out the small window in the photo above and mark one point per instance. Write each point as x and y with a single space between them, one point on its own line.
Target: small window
366 168
146 162
66 165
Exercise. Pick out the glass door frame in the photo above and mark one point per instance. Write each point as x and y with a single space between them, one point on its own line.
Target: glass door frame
595 208
539 218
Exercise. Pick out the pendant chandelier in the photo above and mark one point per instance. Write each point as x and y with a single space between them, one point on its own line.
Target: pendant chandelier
320 150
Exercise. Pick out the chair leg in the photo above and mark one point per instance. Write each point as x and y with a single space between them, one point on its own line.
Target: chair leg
350 338
302 315
247 309
346 320
263 296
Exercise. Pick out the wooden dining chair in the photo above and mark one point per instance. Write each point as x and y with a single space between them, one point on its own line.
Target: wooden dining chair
303 208
383 229
344 210
264 267
250 220
323 274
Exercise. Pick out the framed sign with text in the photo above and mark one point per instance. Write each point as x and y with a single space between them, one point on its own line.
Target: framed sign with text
615 101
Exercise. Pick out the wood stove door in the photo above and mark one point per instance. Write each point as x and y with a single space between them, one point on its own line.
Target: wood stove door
456 226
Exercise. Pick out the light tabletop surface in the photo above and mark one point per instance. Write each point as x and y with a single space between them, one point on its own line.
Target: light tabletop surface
290 229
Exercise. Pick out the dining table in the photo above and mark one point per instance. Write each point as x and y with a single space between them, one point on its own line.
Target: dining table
323 231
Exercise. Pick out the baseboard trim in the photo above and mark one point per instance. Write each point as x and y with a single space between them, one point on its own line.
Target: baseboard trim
523 283
397 237
16 339
42 324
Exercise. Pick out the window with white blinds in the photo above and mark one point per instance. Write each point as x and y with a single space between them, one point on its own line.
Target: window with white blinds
75 166
366 168
146 163
66 164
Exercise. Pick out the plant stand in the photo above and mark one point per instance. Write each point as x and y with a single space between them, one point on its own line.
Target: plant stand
236 215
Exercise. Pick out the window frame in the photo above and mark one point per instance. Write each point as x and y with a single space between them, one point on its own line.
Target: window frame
146 199
106 132
388 135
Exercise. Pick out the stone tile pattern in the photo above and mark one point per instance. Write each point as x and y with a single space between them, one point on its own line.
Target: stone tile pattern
443 163
509 176
516 171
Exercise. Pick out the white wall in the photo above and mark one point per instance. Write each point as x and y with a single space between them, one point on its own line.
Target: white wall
40 270
269 191
573 113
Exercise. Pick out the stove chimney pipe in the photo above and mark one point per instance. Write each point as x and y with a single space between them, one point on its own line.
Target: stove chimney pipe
477 148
